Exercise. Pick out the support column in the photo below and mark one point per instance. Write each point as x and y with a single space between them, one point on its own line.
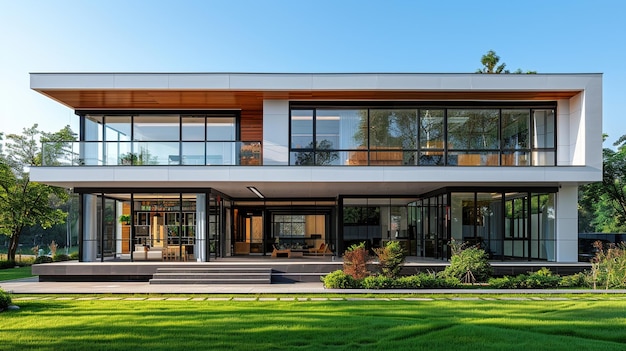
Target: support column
567 224
90 228
201 248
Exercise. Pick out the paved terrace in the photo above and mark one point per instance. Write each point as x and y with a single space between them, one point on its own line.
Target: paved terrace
33 286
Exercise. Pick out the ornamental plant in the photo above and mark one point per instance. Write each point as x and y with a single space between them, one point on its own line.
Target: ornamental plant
355 261
391 257
5 300
608 267
470 265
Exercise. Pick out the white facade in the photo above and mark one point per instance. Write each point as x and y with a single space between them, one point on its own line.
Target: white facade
578 135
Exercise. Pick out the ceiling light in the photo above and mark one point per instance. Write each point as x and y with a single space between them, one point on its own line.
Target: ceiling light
256 192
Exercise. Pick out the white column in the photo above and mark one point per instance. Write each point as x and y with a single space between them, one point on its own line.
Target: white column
90 228
275 132
567 224
200 248
118 229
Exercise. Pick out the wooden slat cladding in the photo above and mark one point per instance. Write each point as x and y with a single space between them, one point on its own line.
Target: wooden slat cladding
253 100
251 125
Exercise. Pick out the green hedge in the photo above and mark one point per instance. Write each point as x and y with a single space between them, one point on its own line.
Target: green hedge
5 300
339 280
542 279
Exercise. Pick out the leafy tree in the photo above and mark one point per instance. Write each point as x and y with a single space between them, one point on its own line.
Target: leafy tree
24 203
602 205
391 257
490 64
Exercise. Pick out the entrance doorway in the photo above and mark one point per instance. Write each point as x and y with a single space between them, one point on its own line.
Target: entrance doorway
249 232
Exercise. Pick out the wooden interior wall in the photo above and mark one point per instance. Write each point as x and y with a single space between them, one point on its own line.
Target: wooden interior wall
251 125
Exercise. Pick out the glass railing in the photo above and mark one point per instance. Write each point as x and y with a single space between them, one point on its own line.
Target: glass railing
151 153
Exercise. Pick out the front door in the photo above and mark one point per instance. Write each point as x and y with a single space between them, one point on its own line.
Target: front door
249 234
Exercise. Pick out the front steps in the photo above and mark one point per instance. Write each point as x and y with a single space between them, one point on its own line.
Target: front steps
212 275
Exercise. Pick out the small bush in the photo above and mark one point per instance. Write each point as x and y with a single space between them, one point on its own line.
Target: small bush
578 280
469 265
43 259
608 267
355 261
74 256
5 300
338 280
60 257
377 282
542 279
391 258
505 282
7 264
426 281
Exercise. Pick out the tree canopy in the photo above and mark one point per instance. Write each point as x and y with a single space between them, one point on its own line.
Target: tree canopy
491 65
602 205
24 203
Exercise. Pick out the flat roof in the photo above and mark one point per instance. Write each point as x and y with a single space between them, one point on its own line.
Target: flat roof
248 90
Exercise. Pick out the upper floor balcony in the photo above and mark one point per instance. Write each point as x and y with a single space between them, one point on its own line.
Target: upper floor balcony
151 153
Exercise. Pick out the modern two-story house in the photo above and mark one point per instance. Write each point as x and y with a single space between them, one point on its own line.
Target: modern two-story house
193 167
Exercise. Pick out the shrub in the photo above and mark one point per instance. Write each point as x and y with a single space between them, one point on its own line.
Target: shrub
608 267
391 258
542 279
43 259
339 280
74 256
578 280
426 281
470 265
5 300
378 282
60 257
355 261
505 282
7 264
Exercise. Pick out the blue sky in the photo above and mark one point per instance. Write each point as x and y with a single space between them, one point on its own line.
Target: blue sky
557 36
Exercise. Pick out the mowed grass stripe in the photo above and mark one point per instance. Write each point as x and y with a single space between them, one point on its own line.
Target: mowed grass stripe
314 325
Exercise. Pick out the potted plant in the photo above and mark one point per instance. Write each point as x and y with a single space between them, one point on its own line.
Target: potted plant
125 219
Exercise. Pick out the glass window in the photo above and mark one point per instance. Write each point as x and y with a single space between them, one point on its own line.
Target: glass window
220 129
193 128
118 128
431 129
515 129
156 128
543 123
301 129
340 129
473 129
393 129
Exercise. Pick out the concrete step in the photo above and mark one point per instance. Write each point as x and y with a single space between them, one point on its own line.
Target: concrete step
212 275
229 270
210 281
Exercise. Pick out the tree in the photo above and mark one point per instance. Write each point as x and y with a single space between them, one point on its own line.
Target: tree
490 64
24 203
602 205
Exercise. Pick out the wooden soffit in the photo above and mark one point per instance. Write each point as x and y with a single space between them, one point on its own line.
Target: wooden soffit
253 100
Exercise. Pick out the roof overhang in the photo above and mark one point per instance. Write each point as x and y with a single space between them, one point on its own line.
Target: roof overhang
84 91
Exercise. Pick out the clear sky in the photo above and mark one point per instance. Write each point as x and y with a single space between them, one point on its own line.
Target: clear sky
442 36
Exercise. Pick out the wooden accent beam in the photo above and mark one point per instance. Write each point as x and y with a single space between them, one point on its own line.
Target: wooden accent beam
253 100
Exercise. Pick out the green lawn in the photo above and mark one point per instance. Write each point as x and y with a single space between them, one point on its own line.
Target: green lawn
314 325
15 273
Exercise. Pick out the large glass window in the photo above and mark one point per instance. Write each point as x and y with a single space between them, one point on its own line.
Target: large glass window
468 136
162 139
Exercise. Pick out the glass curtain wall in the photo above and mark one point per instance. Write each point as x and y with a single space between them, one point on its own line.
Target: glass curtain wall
472 136
511 225
149 226
162 139
377 221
